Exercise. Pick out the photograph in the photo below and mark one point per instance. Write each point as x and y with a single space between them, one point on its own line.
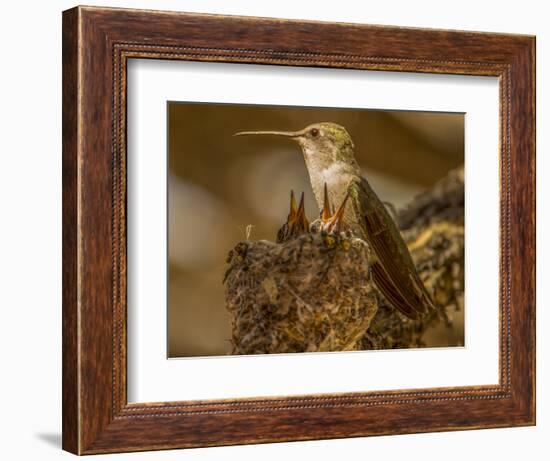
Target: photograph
313 229
281 226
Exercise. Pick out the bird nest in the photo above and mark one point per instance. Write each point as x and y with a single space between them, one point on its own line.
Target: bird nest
308 294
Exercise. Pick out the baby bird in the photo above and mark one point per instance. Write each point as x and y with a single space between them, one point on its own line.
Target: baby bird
330 222
296 223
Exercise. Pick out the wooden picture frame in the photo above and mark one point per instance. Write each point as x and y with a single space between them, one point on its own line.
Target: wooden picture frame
97 43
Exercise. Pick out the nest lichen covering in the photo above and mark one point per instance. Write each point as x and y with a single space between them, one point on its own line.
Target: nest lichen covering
309 294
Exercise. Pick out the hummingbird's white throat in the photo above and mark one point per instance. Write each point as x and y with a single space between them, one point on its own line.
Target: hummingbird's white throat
337 176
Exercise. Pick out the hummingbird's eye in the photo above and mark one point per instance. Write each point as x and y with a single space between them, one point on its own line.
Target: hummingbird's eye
314 132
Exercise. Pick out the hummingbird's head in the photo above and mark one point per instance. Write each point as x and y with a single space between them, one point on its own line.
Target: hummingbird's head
322 143
327 140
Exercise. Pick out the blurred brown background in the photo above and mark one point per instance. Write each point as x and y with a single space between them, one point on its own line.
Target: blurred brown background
219 184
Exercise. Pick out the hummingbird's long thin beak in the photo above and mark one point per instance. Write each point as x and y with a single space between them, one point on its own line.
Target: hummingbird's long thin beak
286 134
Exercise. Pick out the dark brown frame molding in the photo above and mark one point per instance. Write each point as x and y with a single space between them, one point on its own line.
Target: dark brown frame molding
97 43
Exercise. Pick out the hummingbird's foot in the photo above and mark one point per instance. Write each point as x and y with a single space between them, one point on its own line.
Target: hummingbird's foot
296 222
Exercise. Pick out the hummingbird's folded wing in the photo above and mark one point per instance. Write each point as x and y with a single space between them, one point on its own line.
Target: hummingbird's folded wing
393 296
394 272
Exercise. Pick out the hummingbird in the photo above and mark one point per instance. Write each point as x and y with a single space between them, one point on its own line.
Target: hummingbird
329 155
296 222
329 221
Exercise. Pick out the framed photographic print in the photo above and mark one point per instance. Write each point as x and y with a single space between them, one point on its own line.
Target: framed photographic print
284 230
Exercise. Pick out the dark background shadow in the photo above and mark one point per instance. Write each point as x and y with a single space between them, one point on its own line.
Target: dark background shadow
51 438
